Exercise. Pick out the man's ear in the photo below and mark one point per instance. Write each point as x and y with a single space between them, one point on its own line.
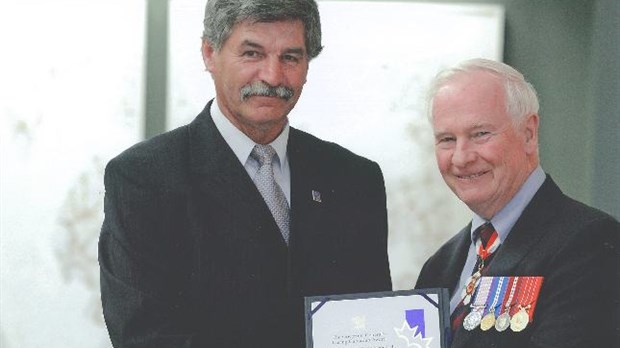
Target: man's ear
208 53
531 133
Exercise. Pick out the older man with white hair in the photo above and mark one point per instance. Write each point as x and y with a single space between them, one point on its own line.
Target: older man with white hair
533 268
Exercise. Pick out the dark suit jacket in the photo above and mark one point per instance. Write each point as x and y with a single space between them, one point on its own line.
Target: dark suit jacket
190 255
574 247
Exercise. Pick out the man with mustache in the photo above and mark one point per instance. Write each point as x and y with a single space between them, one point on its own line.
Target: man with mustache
215 231
555 260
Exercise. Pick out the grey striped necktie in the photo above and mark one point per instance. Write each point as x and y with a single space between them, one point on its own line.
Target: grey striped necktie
270 190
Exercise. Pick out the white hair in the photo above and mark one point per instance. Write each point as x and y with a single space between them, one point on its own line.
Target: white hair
521 98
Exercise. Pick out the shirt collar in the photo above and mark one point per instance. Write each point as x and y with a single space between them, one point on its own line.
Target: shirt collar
506 218
240 143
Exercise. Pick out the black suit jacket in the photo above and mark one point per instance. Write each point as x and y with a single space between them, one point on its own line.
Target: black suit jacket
574 247
190 255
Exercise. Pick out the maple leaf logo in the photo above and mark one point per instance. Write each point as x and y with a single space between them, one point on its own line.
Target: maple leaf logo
412 336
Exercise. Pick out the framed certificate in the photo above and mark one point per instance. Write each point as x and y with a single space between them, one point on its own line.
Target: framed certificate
394 319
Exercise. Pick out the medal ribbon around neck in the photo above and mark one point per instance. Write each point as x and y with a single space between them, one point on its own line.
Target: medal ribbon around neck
484 251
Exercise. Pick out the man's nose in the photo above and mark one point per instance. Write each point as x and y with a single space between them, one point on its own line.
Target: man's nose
464 153
272 71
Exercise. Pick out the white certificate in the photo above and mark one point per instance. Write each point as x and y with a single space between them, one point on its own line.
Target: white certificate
410 318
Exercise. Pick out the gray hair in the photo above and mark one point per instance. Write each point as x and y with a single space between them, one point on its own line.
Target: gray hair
222 15
521 98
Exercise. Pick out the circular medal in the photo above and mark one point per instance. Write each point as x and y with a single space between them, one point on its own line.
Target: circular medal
472 320
519 320
502 322
487 321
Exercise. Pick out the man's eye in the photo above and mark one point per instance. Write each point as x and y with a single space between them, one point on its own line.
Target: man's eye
481 137
250 54
290 58
444 140
481 134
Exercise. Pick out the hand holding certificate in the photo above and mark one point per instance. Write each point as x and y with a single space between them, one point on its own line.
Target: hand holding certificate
412 318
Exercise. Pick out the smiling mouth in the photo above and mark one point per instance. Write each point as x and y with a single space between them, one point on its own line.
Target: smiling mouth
471 176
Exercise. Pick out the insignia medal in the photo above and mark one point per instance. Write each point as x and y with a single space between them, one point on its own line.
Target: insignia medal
503 320
488 321
469 288
472 320
520 320
483 253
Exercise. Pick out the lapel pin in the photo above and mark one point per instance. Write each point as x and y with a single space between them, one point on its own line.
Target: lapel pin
316 196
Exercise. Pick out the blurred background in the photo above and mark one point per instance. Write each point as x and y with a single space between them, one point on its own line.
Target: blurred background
81 80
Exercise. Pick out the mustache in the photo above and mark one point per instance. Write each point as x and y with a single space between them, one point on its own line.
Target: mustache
263 89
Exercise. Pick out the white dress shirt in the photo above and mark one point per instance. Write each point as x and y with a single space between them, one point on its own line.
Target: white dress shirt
242 146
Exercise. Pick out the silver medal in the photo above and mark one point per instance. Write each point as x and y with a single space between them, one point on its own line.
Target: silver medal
472 320
502 322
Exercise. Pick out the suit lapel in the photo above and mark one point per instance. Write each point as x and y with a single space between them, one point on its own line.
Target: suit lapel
528 230
457 258
307 211
217 172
